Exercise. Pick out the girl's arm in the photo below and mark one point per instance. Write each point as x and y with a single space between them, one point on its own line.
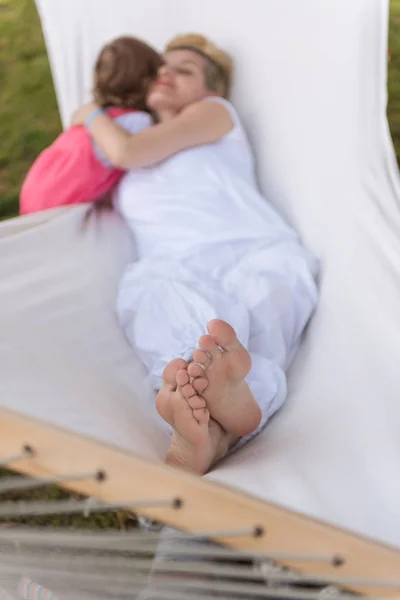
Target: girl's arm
198 124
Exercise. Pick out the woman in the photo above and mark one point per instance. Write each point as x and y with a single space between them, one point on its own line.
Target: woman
210 250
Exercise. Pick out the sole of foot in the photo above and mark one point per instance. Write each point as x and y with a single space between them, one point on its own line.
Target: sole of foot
218 372
197 440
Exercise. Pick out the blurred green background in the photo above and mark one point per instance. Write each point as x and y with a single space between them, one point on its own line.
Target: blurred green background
29 119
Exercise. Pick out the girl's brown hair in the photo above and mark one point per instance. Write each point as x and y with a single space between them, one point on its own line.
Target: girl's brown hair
124 70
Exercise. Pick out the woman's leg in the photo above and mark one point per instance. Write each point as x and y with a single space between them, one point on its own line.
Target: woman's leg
219 370
164 315
278 289
165 318
199 440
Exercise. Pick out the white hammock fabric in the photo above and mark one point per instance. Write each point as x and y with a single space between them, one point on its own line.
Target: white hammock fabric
311 88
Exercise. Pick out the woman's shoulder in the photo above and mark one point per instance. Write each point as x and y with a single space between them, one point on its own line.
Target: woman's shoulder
228 106
236 141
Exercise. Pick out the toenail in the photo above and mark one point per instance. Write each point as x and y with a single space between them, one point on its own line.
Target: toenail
200 365
208 354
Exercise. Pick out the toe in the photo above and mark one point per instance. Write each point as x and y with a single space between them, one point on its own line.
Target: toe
200 384
182 377
163 404
223 334
208 345
195 370
201 415
188 391
195 402
171 371
202 358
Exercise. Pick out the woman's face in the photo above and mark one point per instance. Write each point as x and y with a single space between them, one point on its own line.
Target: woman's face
180 82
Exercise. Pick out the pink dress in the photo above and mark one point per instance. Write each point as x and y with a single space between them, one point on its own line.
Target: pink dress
72 170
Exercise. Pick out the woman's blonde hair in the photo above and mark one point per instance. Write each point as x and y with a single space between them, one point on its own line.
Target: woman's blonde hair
218 63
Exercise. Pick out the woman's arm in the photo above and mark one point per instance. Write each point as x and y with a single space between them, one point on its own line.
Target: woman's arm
198 124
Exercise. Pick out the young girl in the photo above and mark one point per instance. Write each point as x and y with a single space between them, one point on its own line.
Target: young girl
73 169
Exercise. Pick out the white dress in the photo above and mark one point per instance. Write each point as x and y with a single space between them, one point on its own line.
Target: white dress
210 246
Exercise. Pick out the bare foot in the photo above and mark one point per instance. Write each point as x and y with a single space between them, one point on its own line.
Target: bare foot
198 441
218 375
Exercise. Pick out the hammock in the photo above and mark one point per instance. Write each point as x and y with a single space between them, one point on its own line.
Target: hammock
311 88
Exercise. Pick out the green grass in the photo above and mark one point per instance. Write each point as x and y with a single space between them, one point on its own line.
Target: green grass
111 520
99 521
394 75
29 118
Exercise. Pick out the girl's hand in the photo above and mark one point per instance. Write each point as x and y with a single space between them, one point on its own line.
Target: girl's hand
82 114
